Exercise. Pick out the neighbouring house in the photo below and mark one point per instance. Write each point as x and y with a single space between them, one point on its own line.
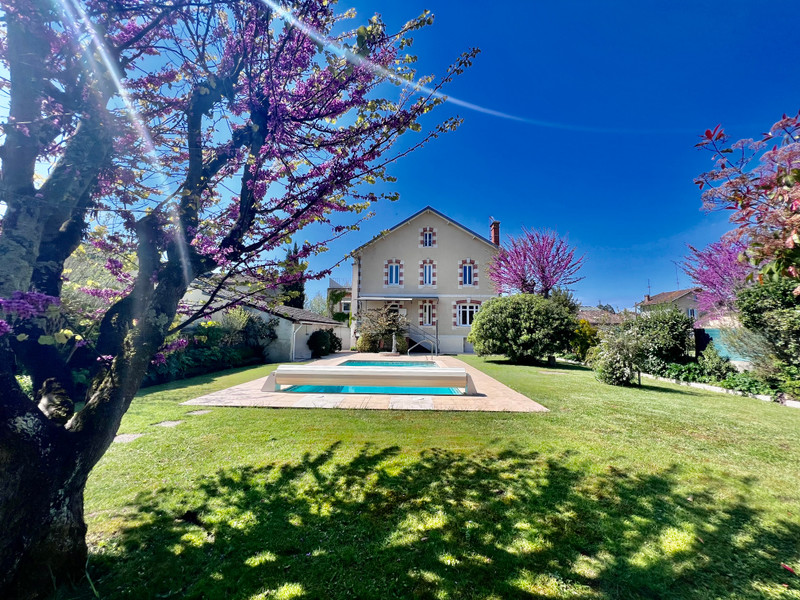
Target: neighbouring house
339 298
430 268
683 300
597 317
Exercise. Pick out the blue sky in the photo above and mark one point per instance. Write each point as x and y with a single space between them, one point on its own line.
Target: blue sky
632 85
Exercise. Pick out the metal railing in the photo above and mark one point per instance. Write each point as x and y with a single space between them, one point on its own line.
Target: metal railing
420 337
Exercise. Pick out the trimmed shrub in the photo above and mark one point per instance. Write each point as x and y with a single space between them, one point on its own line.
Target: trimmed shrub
665 336
524 327
336 341
366 343
320 343
713 366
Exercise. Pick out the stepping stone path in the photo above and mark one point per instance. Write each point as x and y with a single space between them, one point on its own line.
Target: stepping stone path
124 438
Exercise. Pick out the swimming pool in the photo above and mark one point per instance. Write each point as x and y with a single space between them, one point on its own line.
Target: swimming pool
388 363
375 389
369 389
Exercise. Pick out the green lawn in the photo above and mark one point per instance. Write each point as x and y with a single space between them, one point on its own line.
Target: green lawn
658 492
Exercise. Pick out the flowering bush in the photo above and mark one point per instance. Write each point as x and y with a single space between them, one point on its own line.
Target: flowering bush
618 358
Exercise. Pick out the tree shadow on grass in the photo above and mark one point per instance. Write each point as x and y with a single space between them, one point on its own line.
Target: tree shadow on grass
382 524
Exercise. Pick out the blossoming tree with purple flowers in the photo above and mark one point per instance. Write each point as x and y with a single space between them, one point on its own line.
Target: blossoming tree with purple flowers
180 139
535 263
721 270
758 181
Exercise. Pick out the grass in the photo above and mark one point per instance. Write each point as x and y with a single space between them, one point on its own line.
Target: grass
658 492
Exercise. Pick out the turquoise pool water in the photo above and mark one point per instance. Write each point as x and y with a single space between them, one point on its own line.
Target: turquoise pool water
374 389
387 363
369 389
716 337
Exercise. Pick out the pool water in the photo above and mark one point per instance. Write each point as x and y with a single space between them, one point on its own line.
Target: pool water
369 389
387 363
375 389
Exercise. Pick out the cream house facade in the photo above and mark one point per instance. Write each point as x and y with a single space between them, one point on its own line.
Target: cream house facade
431 269
684 300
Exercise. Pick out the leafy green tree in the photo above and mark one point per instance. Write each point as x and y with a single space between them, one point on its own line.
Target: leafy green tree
317 305
666 337
772 311
294 291
377 327
524 327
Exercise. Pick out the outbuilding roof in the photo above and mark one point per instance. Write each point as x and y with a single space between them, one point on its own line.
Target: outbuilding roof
300 315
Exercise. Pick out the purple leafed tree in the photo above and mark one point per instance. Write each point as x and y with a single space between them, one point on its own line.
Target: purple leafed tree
535 263
174 140
720 271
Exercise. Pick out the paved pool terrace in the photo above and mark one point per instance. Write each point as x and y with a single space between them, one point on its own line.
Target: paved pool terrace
492 396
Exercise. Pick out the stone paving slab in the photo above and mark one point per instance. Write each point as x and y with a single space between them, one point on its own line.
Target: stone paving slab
493 396
168 423
411 403
319 401
125 438
197 413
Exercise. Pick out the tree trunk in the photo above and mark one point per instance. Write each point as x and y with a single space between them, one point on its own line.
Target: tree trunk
41 510
56 553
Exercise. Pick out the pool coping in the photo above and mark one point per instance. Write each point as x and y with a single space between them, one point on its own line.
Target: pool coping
493 396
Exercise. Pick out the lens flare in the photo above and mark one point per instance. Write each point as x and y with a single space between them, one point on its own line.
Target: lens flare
355 59
79 22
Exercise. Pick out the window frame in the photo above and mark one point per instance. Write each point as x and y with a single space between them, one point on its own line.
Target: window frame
468 268
427 274
394 274
427 314
466 312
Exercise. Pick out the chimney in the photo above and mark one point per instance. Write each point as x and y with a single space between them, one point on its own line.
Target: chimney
647 297
495 232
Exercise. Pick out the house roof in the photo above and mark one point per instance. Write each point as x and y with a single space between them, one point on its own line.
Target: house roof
596 316
414 216
665 297
300 315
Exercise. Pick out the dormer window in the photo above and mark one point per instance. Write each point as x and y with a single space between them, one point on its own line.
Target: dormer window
427 237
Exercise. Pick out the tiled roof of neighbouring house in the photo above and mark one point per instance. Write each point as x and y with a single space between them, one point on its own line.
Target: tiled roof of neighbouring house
300 314
595 316
665 297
